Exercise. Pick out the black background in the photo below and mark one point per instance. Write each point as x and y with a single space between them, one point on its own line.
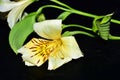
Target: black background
101 59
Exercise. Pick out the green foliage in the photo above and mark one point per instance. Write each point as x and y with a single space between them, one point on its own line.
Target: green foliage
20 31
101 26
63 15
41 17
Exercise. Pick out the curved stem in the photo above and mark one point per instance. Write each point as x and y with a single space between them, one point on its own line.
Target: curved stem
114 37
62 4
68 10
70 33
75 25
82 13
76 11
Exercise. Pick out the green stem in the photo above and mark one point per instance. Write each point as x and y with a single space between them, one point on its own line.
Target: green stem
115 21
80 12
60 3
68 10
114 37
79 26
74 11
70 33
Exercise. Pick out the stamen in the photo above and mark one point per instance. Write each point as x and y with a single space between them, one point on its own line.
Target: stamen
43 48
38 61
35 41
34 50
36 54
32 47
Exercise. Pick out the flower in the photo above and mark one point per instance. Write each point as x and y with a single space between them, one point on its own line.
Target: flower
16 8
53 47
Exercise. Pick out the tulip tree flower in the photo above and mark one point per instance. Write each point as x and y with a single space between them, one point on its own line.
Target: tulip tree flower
52 46
16 8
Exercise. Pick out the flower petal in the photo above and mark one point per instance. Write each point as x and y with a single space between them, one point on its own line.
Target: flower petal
16 13
34 52
29 58
72 47
29 64
6 5
69 49
58 58
50 29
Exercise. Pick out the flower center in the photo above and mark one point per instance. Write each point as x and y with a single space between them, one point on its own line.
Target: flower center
42 48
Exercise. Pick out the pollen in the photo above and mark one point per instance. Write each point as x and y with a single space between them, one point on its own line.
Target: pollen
42 48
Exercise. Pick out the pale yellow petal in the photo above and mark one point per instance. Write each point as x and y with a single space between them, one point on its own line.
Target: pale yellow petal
58 58
33 60
69 50
16 13
50 29
71 45
6 5
35 52
29 64
27 56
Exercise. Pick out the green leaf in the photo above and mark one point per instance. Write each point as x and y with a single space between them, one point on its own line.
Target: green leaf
101 25
106 18
95 27
20 31
63 15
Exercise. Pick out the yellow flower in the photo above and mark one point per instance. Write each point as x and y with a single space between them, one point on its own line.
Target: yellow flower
16 8
53 47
